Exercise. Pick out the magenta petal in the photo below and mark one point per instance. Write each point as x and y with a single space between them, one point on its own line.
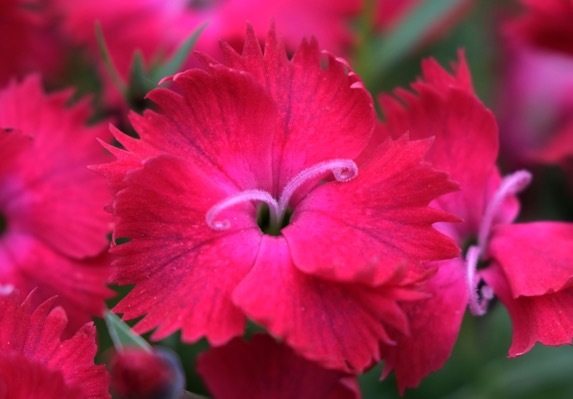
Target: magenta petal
40 190
183 270
373 227
35 334
318 101
25 379
265 369
338 325
436 76
434 327
536 257
547 319
465 143
223 120
81 286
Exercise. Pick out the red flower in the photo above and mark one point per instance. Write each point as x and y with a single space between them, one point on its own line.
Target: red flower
537 96
222 201
30 43
36 363
536 100
529 266
547 24
52 225
157 27
264 368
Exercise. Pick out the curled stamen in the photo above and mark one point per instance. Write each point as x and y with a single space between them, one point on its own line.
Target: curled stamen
478 300
343 170
243 196
510 185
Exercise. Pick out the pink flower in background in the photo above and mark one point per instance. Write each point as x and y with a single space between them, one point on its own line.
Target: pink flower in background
30 43
244 197
536 99
157 27
36 363
52 225
529 266
537 89
264 368
547 24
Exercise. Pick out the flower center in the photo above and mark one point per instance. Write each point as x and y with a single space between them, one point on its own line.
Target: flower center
264 220
198 5
3 224
480 293
274 215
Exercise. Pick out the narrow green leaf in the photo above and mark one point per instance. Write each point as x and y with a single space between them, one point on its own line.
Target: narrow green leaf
108 61
122 335
383 52
139 83
173 65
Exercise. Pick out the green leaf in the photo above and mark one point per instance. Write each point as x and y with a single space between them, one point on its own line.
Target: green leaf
108 61
122 335
139 83
173 65
383 52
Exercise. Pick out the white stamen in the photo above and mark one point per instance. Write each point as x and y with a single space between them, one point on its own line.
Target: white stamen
343 170
243 196
477 305
510 185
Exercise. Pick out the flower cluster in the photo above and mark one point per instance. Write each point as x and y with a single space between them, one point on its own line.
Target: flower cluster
266 201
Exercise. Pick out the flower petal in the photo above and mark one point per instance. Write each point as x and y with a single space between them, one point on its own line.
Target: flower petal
183 270
547 319
35 334
368 229
44 197
439 78
318 99
223 120
465 143
23 378
536 257
546 25
338 325
434 327
80 284
264 368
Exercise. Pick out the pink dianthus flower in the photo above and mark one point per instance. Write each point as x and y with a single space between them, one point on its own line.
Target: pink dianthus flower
231 211
528 266
538 95
36 363
53 229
